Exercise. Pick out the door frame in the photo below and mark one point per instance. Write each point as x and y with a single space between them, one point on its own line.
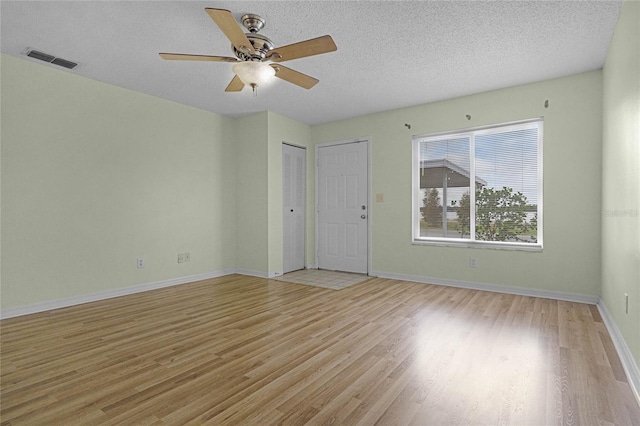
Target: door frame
367 141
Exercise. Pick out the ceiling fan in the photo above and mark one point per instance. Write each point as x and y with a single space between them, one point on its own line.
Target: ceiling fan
256 59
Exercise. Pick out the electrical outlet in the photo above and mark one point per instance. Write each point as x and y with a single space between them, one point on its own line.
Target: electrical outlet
473 262
181 258
140 263
187 257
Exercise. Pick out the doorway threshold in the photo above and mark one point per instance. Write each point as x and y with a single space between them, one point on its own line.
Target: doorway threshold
334 280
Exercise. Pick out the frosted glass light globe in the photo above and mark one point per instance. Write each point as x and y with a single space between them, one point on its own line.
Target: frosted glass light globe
253 73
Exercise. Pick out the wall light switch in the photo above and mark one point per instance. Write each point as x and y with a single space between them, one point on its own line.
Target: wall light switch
626 303
380 198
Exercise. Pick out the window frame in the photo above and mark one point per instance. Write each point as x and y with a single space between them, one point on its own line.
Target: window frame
471 133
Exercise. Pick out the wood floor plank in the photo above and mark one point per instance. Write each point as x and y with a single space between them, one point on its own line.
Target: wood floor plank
247 350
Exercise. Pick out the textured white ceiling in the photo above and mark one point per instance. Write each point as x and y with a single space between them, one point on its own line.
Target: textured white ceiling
390 54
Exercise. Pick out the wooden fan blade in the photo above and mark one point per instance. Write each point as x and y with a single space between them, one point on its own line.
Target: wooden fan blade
186 57
295 77
227 23
236 85
315 46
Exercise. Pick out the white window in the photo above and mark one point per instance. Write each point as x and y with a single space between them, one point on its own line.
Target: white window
479 187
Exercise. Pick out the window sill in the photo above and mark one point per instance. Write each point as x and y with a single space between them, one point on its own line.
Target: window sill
477 244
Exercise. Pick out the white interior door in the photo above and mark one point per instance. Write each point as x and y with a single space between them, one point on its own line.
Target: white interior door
343 208
293 205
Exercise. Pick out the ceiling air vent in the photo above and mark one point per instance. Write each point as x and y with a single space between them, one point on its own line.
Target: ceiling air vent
64 63
51 59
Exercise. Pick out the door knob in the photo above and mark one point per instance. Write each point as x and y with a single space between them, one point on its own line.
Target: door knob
363 217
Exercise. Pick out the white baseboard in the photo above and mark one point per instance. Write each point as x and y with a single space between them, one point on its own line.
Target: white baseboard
94 297
251 273
77 300
520 291
626 357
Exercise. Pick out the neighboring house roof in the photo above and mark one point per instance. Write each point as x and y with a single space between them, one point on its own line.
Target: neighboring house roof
457 176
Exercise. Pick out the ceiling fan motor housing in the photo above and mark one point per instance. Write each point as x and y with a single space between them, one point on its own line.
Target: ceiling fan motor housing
261 44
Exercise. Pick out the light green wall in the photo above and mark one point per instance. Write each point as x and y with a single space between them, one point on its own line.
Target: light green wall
570 261
108 175
95 176
280 129
259 185
621 177
252 200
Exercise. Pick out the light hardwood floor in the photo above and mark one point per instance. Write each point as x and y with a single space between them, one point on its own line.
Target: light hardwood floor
244 350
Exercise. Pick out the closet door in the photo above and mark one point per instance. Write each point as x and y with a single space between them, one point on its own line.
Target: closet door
293 204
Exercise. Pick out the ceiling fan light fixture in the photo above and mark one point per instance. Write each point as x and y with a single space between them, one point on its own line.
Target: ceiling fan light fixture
253 73
255 53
